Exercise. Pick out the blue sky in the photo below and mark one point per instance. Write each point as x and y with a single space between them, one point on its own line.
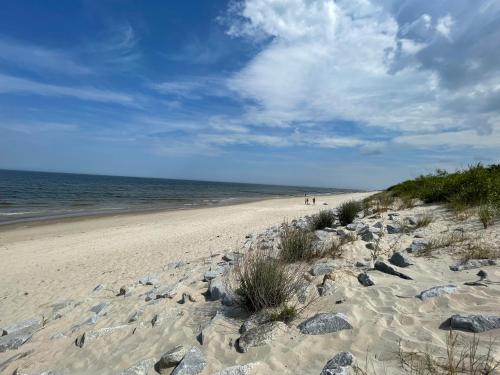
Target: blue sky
346 93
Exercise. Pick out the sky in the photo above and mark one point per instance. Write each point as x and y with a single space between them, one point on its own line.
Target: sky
346 93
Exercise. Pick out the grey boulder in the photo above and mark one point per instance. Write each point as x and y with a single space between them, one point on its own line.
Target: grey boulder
365 280
437 291
324 323
30 325
192 363
473 323
171 358
140 368
320 269
14 340
339 364
236 370
400 260
473 263
260 335
385 268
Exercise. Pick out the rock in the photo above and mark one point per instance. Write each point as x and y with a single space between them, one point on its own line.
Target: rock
140 368
25 326
342 233
392 215
378 225
393 228
365 280
327 288
307 291
186 297
260 335
324 323
126 290
436 291
237 370
400 260
98 288
192 363
254 321
14 340
385 268
330 230
217 289
168 291
473 323
171 358
339 364
483 275
208 331
90 336
418 245
411 220
369 234
135 316
320 269
473 263
216 272
100 309
232 256
147 280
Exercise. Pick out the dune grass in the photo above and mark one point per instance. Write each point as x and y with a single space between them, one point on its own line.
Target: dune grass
348 211
323 219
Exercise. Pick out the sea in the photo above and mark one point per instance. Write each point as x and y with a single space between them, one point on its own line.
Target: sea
34 196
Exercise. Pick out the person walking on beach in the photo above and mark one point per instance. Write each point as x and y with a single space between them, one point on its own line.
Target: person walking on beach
314 200
306 200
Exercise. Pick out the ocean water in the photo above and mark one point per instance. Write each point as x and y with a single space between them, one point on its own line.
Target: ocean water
26 196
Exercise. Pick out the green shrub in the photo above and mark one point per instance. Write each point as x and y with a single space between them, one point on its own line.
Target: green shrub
348 211
285 314
424 220
297 244
324 219
265 282
487 214
463 189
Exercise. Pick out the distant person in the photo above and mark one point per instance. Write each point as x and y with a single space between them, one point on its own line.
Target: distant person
314 200
306 200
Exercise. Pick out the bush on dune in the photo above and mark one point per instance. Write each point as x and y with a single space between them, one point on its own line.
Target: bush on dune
348 211
297 244
323 219
265 282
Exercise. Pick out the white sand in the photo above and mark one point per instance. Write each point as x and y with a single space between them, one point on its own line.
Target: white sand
67 260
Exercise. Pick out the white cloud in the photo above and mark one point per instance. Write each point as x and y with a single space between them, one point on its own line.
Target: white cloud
11 84
444 26
33 57
325 61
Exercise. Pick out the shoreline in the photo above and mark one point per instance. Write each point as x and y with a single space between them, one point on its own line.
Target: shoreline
83 216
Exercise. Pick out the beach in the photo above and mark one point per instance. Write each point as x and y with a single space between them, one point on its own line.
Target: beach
66 259
87 280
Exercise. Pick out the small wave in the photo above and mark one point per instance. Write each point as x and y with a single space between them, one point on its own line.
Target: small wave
18 213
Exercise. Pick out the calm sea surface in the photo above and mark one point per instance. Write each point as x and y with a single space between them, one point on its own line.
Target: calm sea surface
38 195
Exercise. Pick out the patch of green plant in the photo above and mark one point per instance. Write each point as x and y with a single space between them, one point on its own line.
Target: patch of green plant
323 219
348 211
424 220
285 314
487 214
297 244
265 282
463 189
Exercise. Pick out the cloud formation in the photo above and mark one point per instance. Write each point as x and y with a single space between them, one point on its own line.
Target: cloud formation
409 67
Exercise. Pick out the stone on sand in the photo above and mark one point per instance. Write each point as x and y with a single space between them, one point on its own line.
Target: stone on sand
324 323
260 335
192 363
